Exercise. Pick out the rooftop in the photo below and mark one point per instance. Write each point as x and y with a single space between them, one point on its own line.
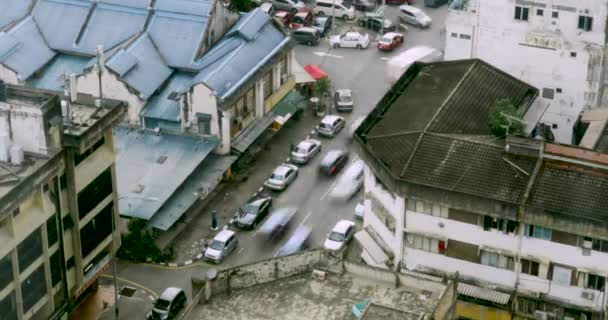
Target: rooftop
51 76
163 105
13 10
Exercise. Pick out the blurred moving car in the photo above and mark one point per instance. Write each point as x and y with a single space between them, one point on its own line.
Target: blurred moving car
330 125
349 182
301 19
168 305
337 8
414 16
376 23
344 100
222 244
306 35
305 150
284 16
390 41
281 177
341 234
254 211
363 5
355 125
397 65
322 24
351 39
298 241
333 162
289 5
278 223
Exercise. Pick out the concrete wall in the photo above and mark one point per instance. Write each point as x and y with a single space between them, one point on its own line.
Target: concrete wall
202 100
26 126
221 19
8 76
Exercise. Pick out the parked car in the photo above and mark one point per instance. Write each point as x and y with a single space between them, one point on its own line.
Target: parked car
390 41
284 16
338 8
364 5
344 100
330 125
410 2
414 16
322 24
301 19
221 246
168 305
281 177
351 39
289 5
340 235
349 182
253 212
376 23
333 162
306 35
268 7
305 150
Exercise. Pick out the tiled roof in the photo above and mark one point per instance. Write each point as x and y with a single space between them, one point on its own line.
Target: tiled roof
12 11
243 50
23 50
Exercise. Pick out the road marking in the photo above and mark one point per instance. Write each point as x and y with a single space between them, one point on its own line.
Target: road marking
133 283
306 217
385 58
325 54
240 250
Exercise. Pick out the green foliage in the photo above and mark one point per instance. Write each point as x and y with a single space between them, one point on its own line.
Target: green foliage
323 87
138 245
503 119
240 5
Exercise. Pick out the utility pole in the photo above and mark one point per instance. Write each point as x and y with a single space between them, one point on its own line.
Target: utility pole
100 65
382 23
333 15
114 269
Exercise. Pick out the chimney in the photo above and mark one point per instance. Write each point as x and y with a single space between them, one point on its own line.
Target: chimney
2 91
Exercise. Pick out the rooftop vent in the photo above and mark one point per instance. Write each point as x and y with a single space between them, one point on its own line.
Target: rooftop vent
523 146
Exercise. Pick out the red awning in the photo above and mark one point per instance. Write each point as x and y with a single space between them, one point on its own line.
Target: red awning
315 71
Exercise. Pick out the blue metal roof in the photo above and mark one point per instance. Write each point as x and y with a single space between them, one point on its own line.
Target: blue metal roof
79 25
51 77
23 50
152 167
243 50
140 65
177 28
141 4
160 106
13 10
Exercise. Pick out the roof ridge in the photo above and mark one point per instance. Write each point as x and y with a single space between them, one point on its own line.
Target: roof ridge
390 135
428 124
85 23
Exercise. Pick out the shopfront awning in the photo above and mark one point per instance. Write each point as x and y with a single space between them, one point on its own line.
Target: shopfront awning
371 247
476 292
301 75
315 71
292 102
252 132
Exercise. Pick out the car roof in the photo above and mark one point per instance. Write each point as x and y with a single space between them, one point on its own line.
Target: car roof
355 168
330 119
308 29
308 142
353 33
332 155
410 8
303 14
282 169
321 18
344 92
170 293
392 34
281 13
223 235
342 225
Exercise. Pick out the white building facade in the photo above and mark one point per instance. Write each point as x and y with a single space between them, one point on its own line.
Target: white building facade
557 46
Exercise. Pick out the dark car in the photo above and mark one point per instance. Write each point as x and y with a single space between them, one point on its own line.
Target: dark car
322 24
363 5
254 211
333 162
374 22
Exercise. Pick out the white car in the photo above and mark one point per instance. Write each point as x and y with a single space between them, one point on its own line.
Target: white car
288 5
281 177
349 182
340 235
305 150
344 100
351 39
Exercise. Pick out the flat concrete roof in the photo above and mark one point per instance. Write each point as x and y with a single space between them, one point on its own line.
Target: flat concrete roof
11 174
302 297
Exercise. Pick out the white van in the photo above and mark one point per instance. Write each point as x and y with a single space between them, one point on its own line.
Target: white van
340 9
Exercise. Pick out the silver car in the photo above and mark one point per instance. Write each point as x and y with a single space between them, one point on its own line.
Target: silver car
344 100
305 150
281 177
223 243
330 125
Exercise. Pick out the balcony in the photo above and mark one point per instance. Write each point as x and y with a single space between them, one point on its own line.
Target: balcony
576 297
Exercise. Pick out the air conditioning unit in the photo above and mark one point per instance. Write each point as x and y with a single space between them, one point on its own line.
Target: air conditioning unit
319 275
589 295
587 244
540 315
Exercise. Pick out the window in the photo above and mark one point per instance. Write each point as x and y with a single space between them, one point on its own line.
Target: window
585 23
204 123
33 288
51 230
539 12
465 36
573 54
600 245
561 275
284 74
426 244
68 223
558 90
555 14
595 282
537 232
97 230
94 193
29 250
529 267
6 271
548 93
499 224
521 13
454 35
55 263
267 85
526 306
497 260
8 305
70 263
63 181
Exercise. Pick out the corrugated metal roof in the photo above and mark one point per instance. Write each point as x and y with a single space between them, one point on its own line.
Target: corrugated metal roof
235 58
160 106
23 49
60 21
141 66
177 28
51 77
251 133
476 292
13 10
198 186
152 167
141 4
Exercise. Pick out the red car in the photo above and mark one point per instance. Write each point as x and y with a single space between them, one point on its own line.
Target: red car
390 41
301 19
284 16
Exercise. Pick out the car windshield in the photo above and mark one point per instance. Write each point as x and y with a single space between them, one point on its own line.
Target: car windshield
216 245
387 40
325 125
345 98
319 23
276 176
297 20
162 304
301 150
336 236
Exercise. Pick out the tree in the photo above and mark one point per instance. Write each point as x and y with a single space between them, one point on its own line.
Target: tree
240 5
323 87
138 244
503 119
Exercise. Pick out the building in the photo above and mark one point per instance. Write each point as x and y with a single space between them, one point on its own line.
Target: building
58 226
317 285
556 45
522 221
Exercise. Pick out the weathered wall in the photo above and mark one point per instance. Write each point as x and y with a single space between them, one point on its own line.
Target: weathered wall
7 75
